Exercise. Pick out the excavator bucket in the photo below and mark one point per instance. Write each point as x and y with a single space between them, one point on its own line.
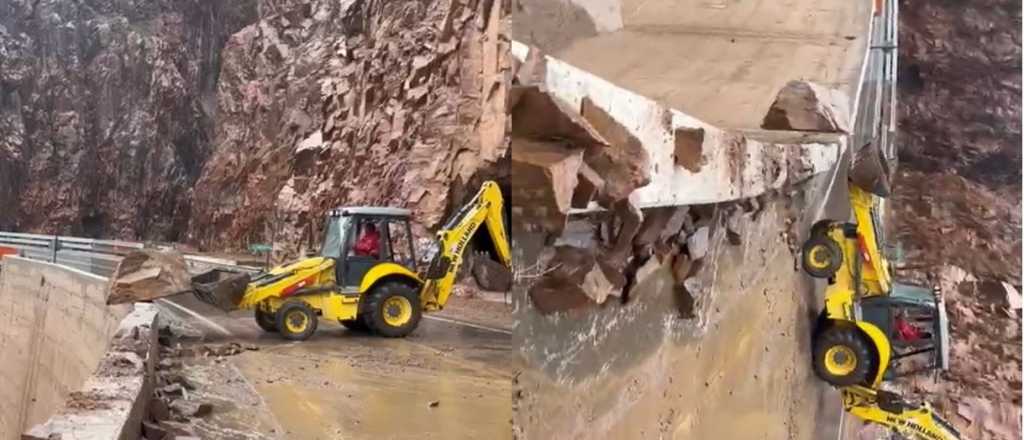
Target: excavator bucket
221 288
871 171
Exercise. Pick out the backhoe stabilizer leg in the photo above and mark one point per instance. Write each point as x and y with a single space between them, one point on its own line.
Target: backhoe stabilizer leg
889 410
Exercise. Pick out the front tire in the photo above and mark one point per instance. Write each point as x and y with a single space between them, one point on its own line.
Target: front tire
393 309
266 320
296 321
842 357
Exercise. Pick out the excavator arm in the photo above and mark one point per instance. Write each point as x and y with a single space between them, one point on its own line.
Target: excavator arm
485 208
890 410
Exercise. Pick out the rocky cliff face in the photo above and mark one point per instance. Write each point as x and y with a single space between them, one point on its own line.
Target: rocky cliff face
961 89
960 134
957 200
326 103
232 121
106 111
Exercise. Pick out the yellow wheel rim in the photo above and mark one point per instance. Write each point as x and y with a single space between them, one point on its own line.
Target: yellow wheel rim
296 321
818 257
397 311
840 360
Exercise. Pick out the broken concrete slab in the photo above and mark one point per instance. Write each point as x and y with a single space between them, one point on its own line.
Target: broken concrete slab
808 106
733 166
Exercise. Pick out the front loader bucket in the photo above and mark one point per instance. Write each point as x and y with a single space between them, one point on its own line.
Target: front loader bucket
146 275
870 171
221 288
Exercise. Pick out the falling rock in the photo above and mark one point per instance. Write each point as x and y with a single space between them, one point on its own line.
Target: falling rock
589 187
575 279
543 181
1013 299
554 294
694 285
623 162
596 285
698 242
540 116
491 275
807 106
659 224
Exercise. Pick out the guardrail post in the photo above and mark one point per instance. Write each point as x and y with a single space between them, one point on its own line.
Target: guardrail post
54 244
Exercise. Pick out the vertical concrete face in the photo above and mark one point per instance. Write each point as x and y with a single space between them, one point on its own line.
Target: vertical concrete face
54 329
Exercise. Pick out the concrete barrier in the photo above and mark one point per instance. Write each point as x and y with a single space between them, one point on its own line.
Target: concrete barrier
114 400
718 165
54 329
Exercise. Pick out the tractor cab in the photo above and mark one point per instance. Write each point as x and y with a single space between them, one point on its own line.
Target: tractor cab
913 319
360 238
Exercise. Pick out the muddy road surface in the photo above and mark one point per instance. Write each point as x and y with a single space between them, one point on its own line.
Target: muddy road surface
449 379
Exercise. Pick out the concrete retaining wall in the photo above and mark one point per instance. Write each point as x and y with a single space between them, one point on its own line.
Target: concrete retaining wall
726 164
114 401
54 329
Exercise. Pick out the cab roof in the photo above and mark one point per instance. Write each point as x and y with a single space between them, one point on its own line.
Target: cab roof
370 210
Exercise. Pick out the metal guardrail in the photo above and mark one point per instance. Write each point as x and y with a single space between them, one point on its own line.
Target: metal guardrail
876 112
99 257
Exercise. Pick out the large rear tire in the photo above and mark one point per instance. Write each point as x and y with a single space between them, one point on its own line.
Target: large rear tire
842 357
393 309
267 321
296 321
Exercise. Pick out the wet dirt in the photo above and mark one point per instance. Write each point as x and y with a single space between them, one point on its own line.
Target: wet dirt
446 380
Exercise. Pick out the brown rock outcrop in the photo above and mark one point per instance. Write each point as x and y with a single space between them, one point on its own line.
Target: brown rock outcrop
325 104
105 112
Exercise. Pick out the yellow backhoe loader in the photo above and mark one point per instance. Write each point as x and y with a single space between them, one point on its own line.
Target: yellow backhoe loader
872 328
374 287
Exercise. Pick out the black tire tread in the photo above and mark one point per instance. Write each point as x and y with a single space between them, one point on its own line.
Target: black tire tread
374 302
283 312
266 321
833 247
850 337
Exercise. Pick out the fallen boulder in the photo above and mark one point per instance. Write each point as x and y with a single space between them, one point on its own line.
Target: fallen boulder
146 275
622 162
808 106
575 278
544 177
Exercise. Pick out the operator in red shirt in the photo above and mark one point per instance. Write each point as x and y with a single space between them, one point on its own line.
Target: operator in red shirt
368 244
